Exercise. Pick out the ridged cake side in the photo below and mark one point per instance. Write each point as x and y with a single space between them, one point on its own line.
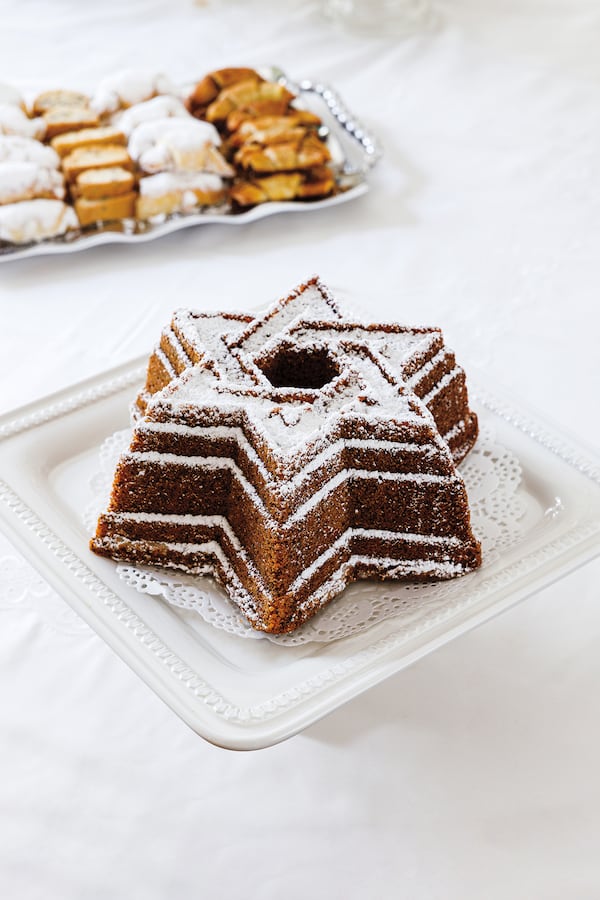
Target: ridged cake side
290 454
372 507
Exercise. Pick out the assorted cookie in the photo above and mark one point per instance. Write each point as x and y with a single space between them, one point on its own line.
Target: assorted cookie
274 147
140 148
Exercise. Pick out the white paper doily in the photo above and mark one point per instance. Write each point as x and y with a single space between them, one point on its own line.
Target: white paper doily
492 476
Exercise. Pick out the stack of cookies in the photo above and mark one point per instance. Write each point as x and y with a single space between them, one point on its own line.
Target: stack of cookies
99 172
178 159
95 162
275 147
64 111
32 188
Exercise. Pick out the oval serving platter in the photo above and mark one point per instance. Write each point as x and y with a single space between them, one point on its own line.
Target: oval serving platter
354 152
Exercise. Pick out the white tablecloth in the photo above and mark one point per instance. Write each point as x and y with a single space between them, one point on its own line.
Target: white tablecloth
475 772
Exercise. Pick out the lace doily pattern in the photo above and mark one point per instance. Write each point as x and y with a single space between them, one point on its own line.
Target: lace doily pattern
492 476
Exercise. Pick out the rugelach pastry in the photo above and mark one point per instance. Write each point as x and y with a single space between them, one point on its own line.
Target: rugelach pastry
304 151
308 185
291 453
273 129
257 97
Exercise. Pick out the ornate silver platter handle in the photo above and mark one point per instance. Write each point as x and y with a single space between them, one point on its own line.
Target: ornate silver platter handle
361 149
354 152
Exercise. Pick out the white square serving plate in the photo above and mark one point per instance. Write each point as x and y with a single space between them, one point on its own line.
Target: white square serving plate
248 694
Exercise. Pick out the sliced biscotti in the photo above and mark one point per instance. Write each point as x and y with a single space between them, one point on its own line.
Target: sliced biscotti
63 111
100 157
105 209
88 137
59 98
95 184
207 90
104 195
62 119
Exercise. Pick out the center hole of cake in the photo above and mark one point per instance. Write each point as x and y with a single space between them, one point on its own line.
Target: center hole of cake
308 367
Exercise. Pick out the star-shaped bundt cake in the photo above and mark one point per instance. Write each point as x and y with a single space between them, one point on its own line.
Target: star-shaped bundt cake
290 453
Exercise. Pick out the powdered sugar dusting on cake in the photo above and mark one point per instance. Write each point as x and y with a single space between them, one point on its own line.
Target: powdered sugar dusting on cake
306 455
310 301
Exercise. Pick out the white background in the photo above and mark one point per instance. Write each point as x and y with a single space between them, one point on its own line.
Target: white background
474 774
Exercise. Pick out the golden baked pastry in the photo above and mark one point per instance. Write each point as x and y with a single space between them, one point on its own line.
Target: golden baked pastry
318 182
272 129
87 137
261 190
95 184
105 209
254 110
61 119
208 88
101 157
250 95
168 193
51 99
303 152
